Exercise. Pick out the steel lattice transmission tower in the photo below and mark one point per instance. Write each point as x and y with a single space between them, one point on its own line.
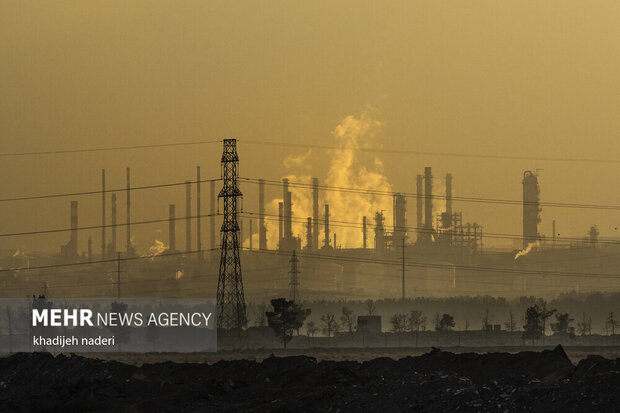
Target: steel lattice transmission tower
294 282
230 298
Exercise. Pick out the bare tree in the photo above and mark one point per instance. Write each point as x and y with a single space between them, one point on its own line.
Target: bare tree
399 324
311 330
348 319
584 327
331 325
511 324
414 323
370 307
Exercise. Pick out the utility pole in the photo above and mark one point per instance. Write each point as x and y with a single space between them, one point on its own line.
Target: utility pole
118 275
294 282
230 297
404 268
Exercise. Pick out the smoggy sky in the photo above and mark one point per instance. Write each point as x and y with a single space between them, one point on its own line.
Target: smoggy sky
519 78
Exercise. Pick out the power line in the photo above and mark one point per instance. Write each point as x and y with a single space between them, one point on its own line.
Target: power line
499 235
105 149
426 153
443 266
151 221
111 260
98 192
364 191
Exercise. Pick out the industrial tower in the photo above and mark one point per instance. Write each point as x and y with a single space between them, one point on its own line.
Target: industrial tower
230 298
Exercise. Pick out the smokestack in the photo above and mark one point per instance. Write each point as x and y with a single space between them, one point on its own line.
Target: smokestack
188 216
553 229
262 230
531 207
288 214
326 225
364 233
113 241
280 223
428 202
103 213
419 207
198 218
128 246
335 241
251 233
172 244
212 220
379 232
315 213
74 230
90 249
309 243
449 196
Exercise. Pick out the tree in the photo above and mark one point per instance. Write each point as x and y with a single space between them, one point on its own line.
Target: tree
414 323
562 325
331 325
399 324
611 323
261 315
437 321
311 330
286 317
446 323
511 324
545 314
370 307
535 316
584 327
485 321
348 319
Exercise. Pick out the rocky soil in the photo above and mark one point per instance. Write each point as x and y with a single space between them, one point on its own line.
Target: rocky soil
438 381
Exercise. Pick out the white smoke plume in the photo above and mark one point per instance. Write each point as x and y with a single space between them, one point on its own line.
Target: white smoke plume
528 249
348 168
157 249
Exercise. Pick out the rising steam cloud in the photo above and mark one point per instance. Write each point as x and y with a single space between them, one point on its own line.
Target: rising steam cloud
348 168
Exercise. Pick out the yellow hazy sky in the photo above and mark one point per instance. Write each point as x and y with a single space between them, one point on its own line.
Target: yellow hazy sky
519 78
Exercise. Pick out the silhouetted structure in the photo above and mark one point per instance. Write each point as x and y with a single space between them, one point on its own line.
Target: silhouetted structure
262 230
315 213
531 208
230 297
294 280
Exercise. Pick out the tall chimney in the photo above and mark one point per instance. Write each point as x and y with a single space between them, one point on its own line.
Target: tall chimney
172 244
90 249
364 233
74 230
428 202
449 196
288 213
212 220
309 240
188 216
262 230
315 213
113 241
280 224
128 246
103 213
419 206
326 225
531 208
198 218
251 233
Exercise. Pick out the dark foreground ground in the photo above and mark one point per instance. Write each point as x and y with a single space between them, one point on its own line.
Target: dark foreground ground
437 381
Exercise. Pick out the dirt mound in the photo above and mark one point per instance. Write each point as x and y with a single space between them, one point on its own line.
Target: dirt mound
436 381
